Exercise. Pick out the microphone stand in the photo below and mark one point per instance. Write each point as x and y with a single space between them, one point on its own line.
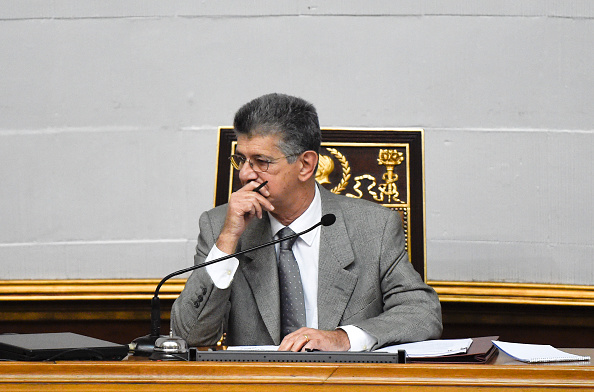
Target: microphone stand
145 345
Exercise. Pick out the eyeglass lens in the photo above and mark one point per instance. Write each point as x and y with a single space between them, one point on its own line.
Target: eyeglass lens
258 165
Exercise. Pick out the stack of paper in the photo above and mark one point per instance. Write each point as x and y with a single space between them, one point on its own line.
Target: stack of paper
537 352
431 348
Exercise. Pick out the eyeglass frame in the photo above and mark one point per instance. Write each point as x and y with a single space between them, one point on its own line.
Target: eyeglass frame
243 160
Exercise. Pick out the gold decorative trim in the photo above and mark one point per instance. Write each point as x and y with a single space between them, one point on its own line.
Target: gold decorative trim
143 289
218 159
424 204
100 289
346 170
514 293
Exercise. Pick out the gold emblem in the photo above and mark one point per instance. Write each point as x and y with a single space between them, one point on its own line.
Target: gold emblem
385 192
389 158
326 167
388 190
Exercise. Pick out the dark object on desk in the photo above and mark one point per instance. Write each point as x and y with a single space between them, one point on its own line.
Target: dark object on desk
304 357
58 347
480 351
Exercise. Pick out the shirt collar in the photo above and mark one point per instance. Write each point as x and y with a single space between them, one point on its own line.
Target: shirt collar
310 217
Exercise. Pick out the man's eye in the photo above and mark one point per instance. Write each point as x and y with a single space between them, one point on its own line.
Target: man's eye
261 161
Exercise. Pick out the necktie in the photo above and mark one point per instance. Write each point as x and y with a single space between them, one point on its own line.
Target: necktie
291 290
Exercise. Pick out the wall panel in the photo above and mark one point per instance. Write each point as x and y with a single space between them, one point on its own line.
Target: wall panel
109 113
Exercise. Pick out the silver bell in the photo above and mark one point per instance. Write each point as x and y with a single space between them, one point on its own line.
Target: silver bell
170 348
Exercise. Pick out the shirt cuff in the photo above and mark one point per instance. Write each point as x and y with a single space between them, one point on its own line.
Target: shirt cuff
221 273
360 340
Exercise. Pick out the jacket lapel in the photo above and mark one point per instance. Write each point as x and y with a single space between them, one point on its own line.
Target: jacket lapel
260 270
335 283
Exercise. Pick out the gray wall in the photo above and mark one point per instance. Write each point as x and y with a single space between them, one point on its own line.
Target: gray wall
109 112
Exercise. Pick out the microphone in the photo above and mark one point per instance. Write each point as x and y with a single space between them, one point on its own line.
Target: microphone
145 345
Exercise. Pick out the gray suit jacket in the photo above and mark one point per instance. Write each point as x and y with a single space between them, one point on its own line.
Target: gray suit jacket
365 279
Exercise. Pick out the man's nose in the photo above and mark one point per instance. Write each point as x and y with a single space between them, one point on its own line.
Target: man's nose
246 173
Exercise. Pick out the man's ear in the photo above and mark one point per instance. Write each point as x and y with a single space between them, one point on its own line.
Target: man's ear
309 164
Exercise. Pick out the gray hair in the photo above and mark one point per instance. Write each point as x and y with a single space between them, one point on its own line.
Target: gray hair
293 119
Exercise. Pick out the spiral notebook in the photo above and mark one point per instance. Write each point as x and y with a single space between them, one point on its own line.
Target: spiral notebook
534 353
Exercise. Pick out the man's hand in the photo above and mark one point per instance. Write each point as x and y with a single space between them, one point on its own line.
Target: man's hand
315 339
243 206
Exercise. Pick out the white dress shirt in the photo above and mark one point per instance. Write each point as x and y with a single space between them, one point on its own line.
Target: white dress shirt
307 251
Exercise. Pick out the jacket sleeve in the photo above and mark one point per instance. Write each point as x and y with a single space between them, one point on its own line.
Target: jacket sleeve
411 309
198 315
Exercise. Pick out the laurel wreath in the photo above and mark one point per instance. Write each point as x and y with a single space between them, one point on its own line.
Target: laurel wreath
346 170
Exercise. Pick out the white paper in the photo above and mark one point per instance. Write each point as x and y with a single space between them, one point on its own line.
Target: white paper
431 348
253 348
536 352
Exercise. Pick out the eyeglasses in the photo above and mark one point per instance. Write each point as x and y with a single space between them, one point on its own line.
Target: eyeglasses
259 165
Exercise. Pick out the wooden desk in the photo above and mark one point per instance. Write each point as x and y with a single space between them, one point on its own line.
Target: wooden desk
503 373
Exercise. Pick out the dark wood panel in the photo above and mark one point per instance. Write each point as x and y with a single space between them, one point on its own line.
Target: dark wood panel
122 321
116 321
560 326
362 159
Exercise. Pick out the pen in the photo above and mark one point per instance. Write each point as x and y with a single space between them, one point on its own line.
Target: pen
260 186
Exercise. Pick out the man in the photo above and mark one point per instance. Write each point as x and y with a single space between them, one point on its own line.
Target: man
359 290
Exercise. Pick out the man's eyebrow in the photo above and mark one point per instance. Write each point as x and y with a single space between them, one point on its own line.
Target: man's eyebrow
262 156
258 156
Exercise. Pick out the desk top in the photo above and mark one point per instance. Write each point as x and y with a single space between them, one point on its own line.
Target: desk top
502 373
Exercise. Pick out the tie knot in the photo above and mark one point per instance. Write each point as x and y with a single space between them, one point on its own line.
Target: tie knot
285 232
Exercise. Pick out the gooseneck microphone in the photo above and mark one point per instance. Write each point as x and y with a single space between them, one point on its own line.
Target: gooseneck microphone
145 345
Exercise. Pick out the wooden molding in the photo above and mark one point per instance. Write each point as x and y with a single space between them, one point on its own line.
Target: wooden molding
92 289
514 293
143 375
143 289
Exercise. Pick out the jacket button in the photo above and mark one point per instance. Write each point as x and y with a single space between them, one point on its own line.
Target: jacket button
204 291
198 301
